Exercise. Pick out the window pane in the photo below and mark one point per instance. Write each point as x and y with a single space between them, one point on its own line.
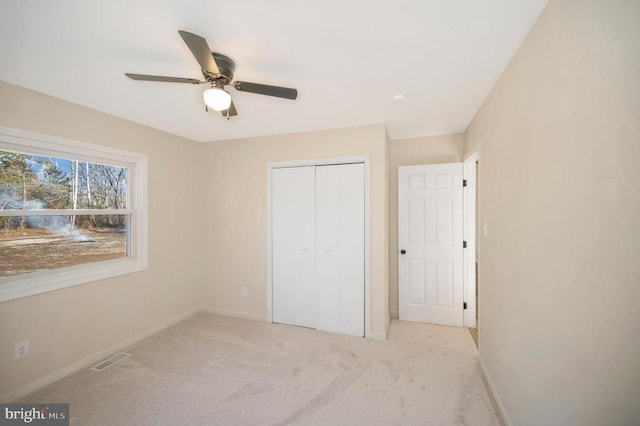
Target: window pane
37 182
35 243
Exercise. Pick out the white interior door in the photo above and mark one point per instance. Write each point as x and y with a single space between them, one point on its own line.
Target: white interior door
293 245
430 243
340 248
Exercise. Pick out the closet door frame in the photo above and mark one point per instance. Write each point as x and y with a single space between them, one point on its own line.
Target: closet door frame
367 227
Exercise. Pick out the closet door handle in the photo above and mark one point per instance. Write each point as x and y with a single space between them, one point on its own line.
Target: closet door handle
403 251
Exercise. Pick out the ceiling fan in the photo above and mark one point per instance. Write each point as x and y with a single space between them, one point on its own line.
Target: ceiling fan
217 70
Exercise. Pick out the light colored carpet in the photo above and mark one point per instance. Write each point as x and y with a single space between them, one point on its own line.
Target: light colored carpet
216 370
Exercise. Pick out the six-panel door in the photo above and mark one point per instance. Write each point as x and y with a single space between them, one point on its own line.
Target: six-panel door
430 233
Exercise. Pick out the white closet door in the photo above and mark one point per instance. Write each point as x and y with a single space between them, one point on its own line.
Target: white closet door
340 248
293 245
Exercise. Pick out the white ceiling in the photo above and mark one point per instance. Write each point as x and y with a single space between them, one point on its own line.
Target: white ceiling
347 58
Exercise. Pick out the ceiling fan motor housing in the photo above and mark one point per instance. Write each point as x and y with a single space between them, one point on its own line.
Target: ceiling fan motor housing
225 65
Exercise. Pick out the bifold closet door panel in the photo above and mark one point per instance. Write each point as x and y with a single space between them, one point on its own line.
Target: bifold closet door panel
293 246
340 248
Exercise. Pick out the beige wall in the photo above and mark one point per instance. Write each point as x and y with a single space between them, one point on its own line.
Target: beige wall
410 152
227 180
559 174
66 326
236 204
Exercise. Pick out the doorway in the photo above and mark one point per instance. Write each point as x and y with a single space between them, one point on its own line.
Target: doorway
471 234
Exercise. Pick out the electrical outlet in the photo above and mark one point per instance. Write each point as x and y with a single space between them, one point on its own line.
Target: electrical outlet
22 349
245 291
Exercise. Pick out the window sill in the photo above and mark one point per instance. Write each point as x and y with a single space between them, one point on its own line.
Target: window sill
55 279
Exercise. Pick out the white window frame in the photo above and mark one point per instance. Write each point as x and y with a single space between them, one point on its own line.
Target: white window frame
29 284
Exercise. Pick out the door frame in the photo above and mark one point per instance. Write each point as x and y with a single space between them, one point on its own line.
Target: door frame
469 234
367 227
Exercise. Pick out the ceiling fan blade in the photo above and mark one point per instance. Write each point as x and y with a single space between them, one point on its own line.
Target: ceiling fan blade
145 77
232 111
201 51
264 89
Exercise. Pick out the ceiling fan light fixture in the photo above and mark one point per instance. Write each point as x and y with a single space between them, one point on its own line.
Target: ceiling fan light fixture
217 69
217 99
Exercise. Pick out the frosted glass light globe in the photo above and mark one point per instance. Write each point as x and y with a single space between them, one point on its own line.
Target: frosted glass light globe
217 99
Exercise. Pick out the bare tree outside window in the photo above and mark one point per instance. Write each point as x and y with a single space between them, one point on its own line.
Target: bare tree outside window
57 212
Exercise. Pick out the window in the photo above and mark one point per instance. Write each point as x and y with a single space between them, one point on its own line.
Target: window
70 213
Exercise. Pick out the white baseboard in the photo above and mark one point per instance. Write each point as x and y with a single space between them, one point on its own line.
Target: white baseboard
92 359
232 313
494 395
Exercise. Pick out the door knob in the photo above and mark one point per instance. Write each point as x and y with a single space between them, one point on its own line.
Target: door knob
403 251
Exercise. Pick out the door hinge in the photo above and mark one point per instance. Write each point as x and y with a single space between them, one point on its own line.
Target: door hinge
464 182
464 305
464 244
